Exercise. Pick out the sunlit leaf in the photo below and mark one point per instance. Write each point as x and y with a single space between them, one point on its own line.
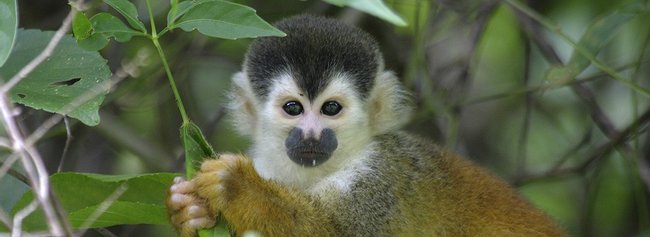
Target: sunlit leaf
128 10
373 7
8 24
81 26
226 20
57 83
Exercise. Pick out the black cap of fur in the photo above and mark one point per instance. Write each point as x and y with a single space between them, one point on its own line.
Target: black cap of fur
314 50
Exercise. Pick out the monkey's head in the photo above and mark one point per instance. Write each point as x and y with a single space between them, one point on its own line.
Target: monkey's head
313 100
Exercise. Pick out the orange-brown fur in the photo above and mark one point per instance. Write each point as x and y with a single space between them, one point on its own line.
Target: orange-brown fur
437 195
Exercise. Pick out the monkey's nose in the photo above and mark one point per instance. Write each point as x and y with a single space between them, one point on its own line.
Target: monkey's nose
308 151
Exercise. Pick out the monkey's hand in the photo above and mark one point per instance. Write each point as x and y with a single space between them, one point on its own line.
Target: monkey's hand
187 212
231 187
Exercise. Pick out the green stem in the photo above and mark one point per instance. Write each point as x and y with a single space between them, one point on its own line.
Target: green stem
170 77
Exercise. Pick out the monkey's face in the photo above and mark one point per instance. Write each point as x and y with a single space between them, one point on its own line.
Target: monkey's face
313 100
315 129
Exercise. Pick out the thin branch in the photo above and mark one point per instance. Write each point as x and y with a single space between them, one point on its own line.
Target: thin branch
5 219
578 48
596 155
20 215
68 140
542 88
6 165
525 126
6 168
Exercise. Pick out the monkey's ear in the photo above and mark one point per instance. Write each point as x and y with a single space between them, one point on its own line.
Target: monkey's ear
389 105
242 106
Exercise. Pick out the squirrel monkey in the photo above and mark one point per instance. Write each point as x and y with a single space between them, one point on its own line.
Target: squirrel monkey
328 158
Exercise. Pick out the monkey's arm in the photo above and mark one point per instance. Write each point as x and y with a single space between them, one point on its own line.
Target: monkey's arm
231 187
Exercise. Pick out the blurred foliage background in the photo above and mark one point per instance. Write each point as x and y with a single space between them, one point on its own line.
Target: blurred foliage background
478 70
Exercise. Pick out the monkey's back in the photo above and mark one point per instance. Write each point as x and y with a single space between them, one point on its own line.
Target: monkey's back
422 190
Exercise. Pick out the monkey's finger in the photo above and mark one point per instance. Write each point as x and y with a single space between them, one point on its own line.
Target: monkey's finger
189 228
178 200
196 211
201 223
183 187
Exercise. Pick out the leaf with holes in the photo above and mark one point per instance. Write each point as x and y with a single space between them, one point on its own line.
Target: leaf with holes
8 24
225 20
68 82
373 7
141 202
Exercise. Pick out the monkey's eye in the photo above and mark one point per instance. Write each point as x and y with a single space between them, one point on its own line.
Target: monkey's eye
292 108
331 108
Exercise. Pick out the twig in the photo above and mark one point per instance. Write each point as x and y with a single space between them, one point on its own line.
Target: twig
4 218
68 139
597 154
6 165
525 126
20 215
6 168
578 48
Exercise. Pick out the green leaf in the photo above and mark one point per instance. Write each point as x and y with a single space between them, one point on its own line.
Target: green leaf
593 40
81 194
8 24
373 7
220 230
196 147
110 26
602 31
120 213
57 83
103 27
128 10
94 43
177 11
81 26
226 20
